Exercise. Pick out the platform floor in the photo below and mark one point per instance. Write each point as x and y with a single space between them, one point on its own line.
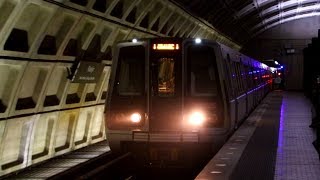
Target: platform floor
275 142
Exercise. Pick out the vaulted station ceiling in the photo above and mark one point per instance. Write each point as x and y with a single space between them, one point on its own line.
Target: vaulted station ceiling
244 19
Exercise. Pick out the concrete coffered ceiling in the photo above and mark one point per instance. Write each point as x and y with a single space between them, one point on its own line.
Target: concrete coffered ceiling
244 19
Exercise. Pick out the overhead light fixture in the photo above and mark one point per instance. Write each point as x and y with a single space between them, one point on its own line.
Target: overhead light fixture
276 62
134 40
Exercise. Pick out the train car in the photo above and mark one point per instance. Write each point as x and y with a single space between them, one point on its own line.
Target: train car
172 99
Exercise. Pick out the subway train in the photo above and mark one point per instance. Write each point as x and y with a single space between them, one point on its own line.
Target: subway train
171 99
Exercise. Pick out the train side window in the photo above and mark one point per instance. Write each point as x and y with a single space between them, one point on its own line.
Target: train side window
256 76
244 77
234 78
259 76
248 77
130 71
252 76
228 77
262 75
238 76
202 70
265 76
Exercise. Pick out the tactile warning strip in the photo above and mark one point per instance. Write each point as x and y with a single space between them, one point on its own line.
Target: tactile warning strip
222 164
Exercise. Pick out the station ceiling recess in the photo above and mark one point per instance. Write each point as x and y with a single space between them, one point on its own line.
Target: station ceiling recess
244 19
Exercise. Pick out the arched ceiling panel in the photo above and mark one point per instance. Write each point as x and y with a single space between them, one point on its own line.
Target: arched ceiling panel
244 19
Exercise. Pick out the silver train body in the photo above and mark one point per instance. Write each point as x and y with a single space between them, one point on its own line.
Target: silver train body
167 95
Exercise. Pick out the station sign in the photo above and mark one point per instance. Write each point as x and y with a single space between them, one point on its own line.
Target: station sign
88 72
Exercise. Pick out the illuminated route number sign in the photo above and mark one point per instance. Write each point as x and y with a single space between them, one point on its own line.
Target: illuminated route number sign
166 46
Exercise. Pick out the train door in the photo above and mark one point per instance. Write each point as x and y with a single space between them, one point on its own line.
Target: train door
232 86
236 90
166 86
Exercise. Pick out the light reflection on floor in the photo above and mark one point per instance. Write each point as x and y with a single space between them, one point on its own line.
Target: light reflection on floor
278 169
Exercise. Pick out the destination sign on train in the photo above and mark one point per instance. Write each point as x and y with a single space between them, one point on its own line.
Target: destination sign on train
166 46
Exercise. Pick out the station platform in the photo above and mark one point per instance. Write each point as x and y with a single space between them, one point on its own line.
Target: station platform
275 142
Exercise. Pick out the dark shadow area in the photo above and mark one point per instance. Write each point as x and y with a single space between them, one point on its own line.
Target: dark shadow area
17 41
90 97
2 107
51 100
71 48
100 5
80 2
72 98
25 103
117 11
48 46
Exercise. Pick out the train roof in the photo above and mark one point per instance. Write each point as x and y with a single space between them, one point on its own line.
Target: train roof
234 54
237 56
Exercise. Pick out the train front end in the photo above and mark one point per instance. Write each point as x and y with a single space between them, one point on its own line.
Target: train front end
155 109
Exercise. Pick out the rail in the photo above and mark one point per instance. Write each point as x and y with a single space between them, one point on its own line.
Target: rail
95 172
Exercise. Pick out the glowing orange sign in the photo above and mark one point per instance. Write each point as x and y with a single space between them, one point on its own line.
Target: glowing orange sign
166 46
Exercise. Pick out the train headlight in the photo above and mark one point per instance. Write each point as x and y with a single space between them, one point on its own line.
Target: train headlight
196 118
135 117
198 40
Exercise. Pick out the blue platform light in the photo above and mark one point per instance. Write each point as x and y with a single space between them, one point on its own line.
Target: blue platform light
281 67
198 40
134 40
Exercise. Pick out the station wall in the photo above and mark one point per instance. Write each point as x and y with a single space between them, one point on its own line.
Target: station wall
272 44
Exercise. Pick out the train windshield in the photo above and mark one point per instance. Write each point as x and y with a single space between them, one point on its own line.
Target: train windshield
166 78
131 71
202 70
